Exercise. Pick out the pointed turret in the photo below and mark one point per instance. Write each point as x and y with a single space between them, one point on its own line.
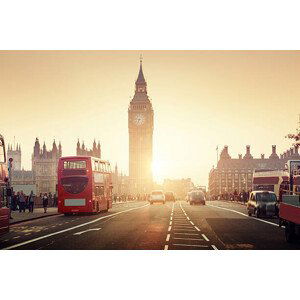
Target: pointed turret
59 150
36 148
140 86
94 145
99 149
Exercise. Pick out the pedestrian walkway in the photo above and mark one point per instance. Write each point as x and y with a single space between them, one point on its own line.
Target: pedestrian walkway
37 213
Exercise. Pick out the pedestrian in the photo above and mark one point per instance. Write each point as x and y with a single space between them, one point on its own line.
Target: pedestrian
55 200
31 202
50 199
22 202
45 202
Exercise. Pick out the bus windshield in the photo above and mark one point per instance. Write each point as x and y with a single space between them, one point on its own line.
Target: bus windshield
74 185
75 164
266 197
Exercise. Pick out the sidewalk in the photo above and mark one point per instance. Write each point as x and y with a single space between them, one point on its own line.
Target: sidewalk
37 213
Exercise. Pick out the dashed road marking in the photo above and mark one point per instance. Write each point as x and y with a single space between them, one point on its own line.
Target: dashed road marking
16 237
168 237
187 239
197 228
170 223
192 223
169 229
81 232
28 233
188 218
187 245
182 233
166 247
214 247
205 237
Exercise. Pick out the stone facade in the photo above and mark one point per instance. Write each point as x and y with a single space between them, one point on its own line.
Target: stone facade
121 183
236 173
140 126
81 150
15 154
44 166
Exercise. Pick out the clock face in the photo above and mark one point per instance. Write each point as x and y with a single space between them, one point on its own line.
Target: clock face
139 119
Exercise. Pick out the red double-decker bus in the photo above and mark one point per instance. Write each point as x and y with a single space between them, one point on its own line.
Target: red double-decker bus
84 185
4 210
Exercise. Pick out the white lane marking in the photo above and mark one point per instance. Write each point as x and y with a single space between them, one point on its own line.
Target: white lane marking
171 219
81 232
214 247
205 237
6 240
186 230
197 228
74 227
16 237
188 218
183 227
240 213
182 233
28 233
169 229
187 239
168 237
192 223
187 245
170 223
166 247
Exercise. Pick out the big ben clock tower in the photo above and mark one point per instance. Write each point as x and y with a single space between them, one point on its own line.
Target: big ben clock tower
140 125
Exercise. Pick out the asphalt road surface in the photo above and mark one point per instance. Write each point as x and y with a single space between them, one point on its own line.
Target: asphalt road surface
137 225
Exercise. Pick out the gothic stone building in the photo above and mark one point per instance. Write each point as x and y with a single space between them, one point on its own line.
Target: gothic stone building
44 166
15 154
140 126
236 173
83 151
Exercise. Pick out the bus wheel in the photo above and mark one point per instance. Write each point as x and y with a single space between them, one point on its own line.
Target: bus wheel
67 214
289 232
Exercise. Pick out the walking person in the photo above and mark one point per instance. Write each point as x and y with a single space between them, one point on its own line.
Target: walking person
31 202
22 202
45 202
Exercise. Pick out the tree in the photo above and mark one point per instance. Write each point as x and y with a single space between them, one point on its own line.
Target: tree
295 137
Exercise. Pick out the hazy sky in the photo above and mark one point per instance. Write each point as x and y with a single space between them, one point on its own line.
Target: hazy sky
201 99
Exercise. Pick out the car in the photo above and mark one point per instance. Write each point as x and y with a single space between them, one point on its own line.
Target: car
262 203
196 197
157 196
169 196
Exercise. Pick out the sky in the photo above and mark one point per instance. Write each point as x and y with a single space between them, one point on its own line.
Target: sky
201 100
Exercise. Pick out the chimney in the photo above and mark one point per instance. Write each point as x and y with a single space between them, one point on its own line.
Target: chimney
273 149
292 151
296 150
288 153
262 156
240 156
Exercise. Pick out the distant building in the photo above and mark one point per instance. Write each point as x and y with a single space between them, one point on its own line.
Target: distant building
83 151
121 183
179 186
236 173
15 154
44 167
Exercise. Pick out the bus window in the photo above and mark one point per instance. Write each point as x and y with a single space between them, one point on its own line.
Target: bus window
2 153
75 164
102 167
99 190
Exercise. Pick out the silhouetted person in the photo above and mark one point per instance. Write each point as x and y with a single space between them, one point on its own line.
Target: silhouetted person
31 202
22 202
45 202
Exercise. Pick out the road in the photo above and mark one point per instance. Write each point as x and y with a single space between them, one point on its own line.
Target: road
137 225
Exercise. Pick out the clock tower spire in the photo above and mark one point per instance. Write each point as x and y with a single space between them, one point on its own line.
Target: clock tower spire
140 125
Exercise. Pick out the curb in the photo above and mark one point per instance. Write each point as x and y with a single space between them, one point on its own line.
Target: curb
31 219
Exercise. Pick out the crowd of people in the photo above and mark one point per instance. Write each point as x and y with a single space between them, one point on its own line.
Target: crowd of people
20 201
